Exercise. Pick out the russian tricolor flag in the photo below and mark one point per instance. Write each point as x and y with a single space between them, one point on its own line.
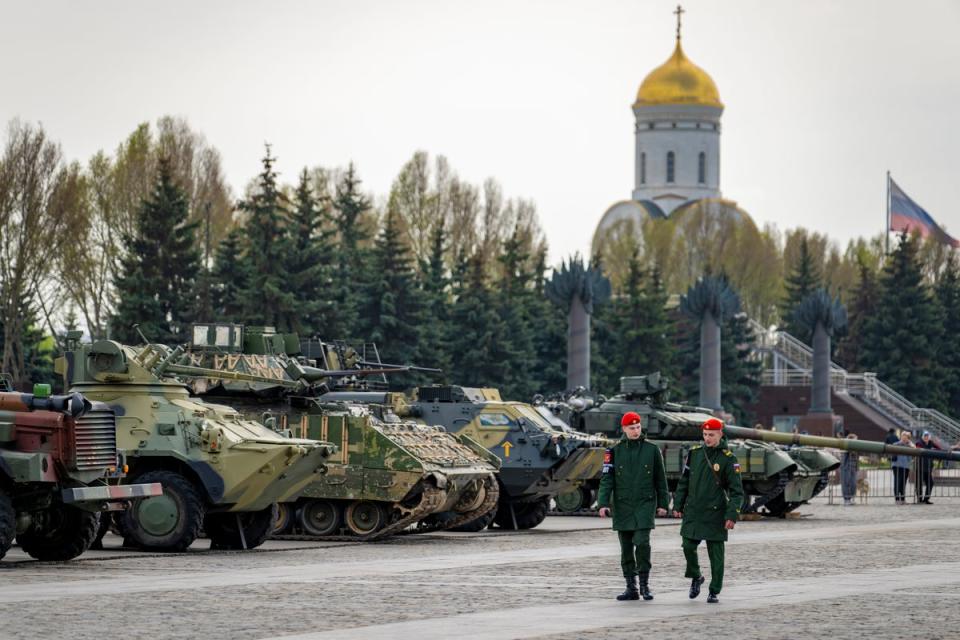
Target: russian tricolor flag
906 215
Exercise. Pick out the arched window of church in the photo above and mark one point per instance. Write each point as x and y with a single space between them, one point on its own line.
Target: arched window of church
702 168
643 168
670 164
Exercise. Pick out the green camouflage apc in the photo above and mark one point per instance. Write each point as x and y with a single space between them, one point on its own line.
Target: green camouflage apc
220 472
57 455
538 461
388 474
771 482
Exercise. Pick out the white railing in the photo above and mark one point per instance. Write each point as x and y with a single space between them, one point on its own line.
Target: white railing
798 358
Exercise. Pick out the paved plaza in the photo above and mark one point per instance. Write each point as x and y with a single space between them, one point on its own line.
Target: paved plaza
875 570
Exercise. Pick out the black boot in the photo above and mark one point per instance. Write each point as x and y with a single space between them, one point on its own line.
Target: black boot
712 598
695 587
645 585
631 593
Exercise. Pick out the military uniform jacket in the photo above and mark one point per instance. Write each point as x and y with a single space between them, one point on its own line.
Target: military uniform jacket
708 499
633 484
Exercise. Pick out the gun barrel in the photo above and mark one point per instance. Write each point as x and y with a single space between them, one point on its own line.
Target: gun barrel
73 405
216 374
846 444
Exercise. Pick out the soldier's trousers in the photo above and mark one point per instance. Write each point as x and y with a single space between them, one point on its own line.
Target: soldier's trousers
714 552
634 551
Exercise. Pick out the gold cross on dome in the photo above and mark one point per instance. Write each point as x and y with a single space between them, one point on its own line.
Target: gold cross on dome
679 13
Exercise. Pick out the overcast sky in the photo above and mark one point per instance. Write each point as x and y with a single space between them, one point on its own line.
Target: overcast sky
822 98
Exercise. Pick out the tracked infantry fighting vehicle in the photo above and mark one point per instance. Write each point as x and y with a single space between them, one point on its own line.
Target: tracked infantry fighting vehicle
388 473
219 471
538 461
57 455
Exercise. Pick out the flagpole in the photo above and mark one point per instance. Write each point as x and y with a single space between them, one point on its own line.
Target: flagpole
886 231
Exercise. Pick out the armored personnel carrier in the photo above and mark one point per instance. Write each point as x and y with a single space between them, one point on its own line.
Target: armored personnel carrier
220 472
388 473
57 456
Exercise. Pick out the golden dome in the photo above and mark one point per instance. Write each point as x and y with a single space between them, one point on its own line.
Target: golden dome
678 81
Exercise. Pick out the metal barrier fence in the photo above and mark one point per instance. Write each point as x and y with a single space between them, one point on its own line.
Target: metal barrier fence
875 484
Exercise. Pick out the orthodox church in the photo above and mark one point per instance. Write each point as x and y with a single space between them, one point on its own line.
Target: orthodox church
677 148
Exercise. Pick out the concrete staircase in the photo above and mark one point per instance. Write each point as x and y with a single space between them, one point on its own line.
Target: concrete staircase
792 362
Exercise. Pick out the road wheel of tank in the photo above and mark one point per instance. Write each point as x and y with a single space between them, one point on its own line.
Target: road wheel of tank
363 517
224 529
169 522
66 533
479 524
8 523
319 517
527 514
472 499
285 516
573 500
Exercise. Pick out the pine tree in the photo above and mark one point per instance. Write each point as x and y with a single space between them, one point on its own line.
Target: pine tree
948 352
435 287
309 257
157 282
229 278
478 350
351 268
900 344
393 316
642 323
804 278
861 309
35 348
513 302
268 299
550 335
741 371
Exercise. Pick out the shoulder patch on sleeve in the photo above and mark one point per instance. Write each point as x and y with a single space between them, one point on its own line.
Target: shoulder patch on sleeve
608 461
727 452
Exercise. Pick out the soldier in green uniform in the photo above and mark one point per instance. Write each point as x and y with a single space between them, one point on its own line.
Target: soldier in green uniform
634 484
708 498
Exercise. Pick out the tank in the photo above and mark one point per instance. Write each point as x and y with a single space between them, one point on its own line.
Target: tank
388 474
220 472
768 472
58 455
780 471
538 460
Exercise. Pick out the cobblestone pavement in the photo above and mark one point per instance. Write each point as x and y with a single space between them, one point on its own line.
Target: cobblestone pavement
843 571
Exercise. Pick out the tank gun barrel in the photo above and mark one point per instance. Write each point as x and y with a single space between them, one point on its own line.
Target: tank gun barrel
388 368
846 444
216 374
73 405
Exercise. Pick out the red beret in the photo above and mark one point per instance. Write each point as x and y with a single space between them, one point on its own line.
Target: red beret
712 424
629 418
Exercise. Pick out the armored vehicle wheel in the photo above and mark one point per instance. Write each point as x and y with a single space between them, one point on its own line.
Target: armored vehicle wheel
479 524
101 530
574 500
224 529
65 533
527 514
170 522
8 523
319 517
471 500
285 516
363 517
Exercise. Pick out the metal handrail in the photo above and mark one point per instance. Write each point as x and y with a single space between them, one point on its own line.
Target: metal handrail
864 385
